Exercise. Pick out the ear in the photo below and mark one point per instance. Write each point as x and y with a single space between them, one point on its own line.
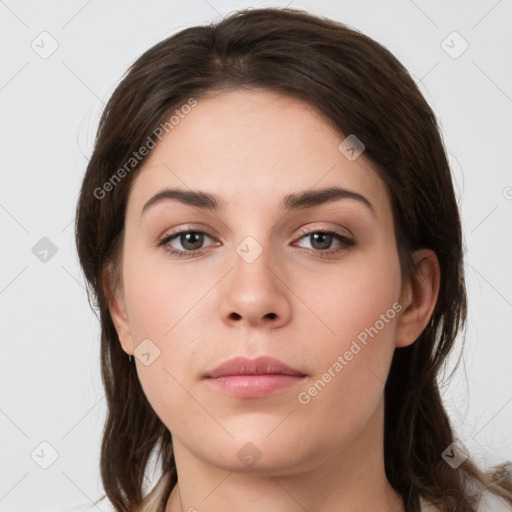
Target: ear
118 313
419 297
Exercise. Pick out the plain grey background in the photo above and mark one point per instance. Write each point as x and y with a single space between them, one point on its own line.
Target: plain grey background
60 63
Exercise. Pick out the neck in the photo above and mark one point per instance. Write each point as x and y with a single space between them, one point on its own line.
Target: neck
351 479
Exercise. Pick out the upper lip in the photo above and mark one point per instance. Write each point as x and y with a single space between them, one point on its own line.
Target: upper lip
263 365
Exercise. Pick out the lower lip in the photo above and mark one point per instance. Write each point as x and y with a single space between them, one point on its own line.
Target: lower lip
253 386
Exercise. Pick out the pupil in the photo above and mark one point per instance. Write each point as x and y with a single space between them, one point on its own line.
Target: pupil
322 238
194 239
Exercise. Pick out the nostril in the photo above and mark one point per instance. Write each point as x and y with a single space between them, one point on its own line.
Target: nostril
271 315
235 316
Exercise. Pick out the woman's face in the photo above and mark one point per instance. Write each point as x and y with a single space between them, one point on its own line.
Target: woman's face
258 278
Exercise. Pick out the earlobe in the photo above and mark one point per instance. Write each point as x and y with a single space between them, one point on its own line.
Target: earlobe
420 297
118 313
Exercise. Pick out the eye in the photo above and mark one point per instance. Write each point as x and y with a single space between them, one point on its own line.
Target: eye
190 241
321 241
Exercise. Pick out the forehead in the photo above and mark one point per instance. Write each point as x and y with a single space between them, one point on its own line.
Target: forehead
250 144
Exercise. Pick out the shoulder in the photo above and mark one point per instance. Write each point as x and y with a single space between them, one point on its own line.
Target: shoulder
488 502
426 506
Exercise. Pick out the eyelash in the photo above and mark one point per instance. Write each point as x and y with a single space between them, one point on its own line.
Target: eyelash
346 242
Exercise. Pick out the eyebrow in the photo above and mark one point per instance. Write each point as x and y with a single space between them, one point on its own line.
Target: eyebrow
297 200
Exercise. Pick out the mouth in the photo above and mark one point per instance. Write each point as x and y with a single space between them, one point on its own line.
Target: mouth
253 378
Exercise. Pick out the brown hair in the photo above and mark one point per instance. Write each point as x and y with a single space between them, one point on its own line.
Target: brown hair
362 89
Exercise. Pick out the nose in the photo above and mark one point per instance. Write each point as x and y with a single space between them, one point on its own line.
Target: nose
255 294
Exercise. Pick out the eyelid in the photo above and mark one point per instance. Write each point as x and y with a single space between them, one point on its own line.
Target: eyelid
326 229
186 228
346 242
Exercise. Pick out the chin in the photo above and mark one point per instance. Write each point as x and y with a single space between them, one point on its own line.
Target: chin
254 451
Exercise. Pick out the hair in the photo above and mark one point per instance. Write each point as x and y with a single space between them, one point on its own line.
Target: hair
360 88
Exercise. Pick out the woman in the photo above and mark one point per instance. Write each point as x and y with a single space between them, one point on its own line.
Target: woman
268 226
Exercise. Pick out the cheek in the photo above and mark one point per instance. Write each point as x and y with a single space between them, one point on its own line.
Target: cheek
352 297
162 308
158 297
360 308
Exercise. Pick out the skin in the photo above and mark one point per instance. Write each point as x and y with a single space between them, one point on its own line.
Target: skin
251 148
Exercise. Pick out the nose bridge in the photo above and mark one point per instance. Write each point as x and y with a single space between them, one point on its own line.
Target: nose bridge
254 293
252 264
